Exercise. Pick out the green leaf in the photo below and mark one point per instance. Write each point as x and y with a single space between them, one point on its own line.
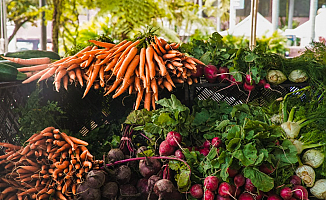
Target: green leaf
251 57
233 144
201 117
206 58
183 181
248 155
286 154
212 153
139 117
259 179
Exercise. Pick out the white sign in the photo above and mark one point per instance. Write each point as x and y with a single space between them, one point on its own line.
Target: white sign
238 4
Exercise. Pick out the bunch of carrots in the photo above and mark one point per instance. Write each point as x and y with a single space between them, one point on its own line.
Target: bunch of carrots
51 164
140 67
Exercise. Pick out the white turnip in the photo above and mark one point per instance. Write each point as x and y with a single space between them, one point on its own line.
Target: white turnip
197 191
211 183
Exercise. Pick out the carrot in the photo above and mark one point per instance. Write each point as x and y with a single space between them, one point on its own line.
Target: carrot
66 185
62 165
197 61
122 47
47 74
68 63
73 66
78 141
79 76
36 76
137 83
147 100
68 140
168 78
128 49
159 44
31 61
112 63
153 102
154 88
161 64
64 147
114 86
33 68
126 83
131 88
30 168
167 85
148 79
11 146
139 98
87 164
177 64
157 50
176 46
167 47
169 56
101 75
142 59
8 190
83 155
74 188
131 68
92 79
102 44
149 60
131 59
60 195
6 155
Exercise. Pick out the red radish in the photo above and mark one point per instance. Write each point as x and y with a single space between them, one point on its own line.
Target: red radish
248 87
219 197
300 192
295 180
199 71
223 74
249 80
206 144
246 196
274 197
233 81
204 151
249 186
267 86
232 172
266 168
261 82
197 191
239 180
286 193
178 153
166 149
259 196
173 138
211 183
216 142
210 73
225 190
236 191
209 195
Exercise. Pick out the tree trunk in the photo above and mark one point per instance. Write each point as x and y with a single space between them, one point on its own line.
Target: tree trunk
17 27
56 24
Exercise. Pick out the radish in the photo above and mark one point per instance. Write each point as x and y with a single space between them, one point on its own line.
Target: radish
233 81
236 191
173 138
204 151
274 197
249 80
178 153
207 144
262 82
295 180
211 73
249 186
166 149
219 197
211 183
266 168
259 196
248 87
239 180
225 190
209 195
216 142
286 193
246 196
223 76
199 71
300 192
232 172
197 191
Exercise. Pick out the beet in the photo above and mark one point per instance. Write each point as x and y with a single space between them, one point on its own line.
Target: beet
179 154
151 182
173 138
249 186
149 167
123 174
211 183
128 192
115 155
164 188
87 193
208 195
110 190
300 192
274 197
145 194
219 197
197 191
199 71
95 178
232 172
166 149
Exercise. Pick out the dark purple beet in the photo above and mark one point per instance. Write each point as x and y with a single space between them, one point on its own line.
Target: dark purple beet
115 155
149 167
164 188
123 174
87 193
151 182
129 192
95 178
110 190
199 71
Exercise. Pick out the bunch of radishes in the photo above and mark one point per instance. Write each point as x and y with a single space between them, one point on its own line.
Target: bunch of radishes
169 146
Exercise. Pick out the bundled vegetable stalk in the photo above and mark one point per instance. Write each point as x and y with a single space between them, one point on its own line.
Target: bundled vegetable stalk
140 67
51 164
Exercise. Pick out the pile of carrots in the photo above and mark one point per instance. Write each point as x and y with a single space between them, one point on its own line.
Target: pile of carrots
51 164
140 67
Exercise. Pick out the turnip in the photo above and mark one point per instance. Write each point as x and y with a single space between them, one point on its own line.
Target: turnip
149 167
95 178
211 183
199 71
87 193
164 188
232 172
319 189
166 149
274 197
246 196
115 155
266 168
275 77
173 138
295 180
110 190
300 192
211 73
216 142
197 191
206 144
204 151
225 190
179 154
208 195
128 192
122 174
239 180
249 186
286 193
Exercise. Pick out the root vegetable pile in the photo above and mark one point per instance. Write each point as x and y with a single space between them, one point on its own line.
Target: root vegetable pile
51 164
140 67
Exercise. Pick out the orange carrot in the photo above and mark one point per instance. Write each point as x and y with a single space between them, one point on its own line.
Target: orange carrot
114 86
36 76
149 61
8 190
112 63
92 79
122 48
31 61
197 61
72 75
48 74
153 102
127 50
62 165
59 75
102 44
68 63
73 66
161 64
59 195
68 140
154 88
142 60
169 56
130 59
126 83
33 68
177 64
157 50
148 100
139 98
159 44
176 46
137 83
147 76
79 76
11 146
167 85
167 47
